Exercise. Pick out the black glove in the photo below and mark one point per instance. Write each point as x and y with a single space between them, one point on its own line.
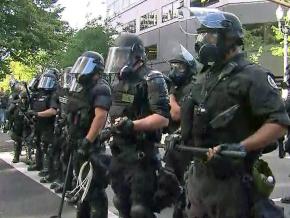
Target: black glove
32 113
84 148
171 141
232 147
125 126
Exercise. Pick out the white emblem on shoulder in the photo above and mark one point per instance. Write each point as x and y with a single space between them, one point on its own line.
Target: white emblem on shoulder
272 82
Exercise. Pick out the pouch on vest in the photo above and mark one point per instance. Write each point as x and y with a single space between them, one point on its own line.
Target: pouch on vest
263 178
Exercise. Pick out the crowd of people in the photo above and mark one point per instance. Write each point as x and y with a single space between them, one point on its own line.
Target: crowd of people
220 119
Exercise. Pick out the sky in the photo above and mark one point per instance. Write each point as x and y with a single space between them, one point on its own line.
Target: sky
77 11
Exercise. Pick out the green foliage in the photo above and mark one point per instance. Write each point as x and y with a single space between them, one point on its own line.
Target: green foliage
20 72
278 48
252 42
255 56
28 28
253 45
93 37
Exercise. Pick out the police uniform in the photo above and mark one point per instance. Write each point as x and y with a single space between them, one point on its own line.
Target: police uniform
42 101
60 150
133 165
81 112
178 161
19 127
226 105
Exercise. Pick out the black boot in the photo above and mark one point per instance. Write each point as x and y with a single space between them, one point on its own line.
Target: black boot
54 185
17 151
46 179
43 173
33 167
38 161
58 189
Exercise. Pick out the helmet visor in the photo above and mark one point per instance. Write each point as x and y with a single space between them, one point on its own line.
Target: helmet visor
83 66
75 86
67 79
208 17
118 57
46 82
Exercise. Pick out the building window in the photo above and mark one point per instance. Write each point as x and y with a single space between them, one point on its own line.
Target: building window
169 11
130 27
198 3
175 9
151 52
148 20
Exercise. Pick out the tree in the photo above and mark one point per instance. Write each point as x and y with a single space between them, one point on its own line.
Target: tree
94 37
253 45
278 48
20 72
27 28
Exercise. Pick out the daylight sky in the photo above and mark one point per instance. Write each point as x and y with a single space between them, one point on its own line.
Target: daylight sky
76 11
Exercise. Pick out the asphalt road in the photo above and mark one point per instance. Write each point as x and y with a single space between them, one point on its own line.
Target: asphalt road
21 195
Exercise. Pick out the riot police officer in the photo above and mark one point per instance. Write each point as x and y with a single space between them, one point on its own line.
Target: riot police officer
88 105
18 105
139 111
61 150
182 69
234 106
44 107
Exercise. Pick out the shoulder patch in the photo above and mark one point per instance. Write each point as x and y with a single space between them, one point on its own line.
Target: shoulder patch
272 82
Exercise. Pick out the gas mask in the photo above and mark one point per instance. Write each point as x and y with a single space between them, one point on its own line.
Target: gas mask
178 73
207 49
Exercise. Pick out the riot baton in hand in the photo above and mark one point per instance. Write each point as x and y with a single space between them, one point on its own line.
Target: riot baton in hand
203 151
64 189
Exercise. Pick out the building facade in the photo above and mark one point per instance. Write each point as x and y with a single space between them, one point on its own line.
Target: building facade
157 23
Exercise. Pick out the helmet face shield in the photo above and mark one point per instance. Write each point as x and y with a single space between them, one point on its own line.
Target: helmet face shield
84 66
75 86
178 66
46 82
66 80
118 57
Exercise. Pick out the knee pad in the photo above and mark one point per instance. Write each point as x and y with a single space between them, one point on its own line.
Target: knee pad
140 211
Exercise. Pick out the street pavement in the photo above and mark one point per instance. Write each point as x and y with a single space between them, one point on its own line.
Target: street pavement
21 194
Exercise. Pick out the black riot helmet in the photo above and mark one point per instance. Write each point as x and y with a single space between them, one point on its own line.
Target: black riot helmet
85 68
182 67
218 32
48 80
128 51
33 84
87 65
